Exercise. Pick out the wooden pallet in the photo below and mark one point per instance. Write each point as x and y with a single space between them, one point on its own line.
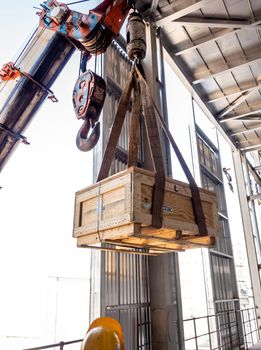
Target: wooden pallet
118 210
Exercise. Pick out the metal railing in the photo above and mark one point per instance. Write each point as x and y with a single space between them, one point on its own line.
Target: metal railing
228 330
60 345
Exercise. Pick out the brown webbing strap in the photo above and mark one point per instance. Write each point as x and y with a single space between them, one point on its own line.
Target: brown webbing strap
116 129
196 200
134 126
156 152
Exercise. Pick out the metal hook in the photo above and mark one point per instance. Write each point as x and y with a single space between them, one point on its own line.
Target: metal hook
85 143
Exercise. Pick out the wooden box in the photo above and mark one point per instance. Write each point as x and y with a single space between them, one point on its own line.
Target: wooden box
118 210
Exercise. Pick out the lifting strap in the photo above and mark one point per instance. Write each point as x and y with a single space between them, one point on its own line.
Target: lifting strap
196 200
116 129
153 138
156 152
134 126
144 98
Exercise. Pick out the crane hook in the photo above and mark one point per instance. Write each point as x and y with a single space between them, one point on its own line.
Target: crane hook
88 98
84 142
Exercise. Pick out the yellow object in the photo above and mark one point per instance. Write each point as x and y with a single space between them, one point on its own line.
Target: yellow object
104 333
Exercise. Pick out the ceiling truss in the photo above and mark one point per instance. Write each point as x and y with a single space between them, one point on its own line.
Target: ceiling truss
237 63
215 48
179 9
211 23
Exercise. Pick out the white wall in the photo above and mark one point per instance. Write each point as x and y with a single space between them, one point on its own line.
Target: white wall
194 273
236 227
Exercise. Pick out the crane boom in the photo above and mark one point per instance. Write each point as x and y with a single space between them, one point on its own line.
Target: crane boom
43 59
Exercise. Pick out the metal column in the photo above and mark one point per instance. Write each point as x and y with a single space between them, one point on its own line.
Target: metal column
248 231
164 283
119 281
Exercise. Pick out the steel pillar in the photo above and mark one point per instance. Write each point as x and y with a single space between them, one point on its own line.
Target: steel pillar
164 283
248 232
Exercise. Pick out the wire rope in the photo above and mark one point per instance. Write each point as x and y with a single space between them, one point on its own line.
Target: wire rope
101 57
95 59
26 45
76 2
22 52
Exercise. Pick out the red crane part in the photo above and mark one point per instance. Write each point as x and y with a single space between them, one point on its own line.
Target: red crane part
9 72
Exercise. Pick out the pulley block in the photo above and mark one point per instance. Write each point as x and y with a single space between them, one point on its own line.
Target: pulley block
136 37
98 40
88 98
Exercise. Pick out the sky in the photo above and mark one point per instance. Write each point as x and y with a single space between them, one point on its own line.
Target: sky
37 200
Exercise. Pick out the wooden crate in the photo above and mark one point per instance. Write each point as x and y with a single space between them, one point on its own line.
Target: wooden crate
118 210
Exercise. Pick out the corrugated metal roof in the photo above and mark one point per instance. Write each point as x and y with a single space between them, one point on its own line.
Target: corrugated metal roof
217 46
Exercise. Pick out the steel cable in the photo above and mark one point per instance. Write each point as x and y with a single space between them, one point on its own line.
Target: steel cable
22 52
76 2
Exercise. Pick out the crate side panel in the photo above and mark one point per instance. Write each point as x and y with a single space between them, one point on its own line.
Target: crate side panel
178 208
115 209
86 211
89 210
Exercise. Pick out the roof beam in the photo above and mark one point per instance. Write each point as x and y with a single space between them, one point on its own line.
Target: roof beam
206 40
214 36
237 102
230 67
245 116
250 118
251 148
253 171
183 75
253 139
242 131
179 9
216 96
213 23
